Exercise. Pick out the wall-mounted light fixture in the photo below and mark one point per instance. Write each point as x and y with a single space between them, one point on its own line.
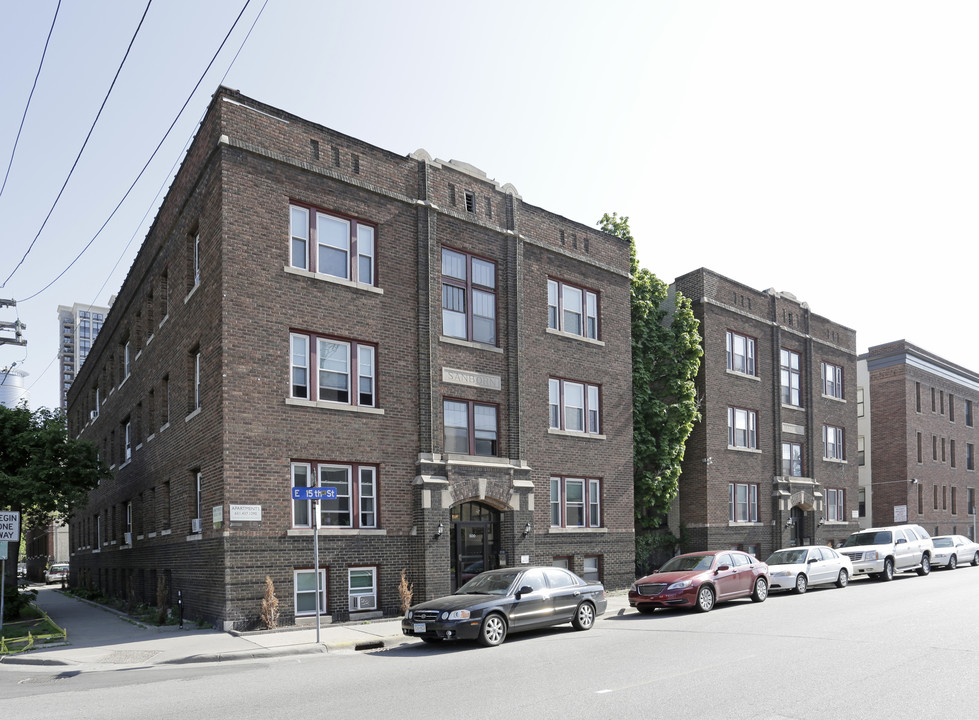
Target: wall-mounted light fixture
915 481
526 529
821 521
790 522
438 532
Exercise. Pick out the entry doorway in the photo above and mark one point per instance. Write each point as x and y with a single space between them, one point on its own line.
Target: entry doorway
475 538
798 516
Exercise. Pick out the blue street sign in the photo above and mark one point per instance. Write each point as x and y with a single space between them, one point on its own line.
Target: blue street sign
314 493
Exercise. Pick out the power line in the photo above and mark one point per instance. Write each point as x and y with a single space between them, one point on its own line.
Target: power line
155 151
29 98
84 144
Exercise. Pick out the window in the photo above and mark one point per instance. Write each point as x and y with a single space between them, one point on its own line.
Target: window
742 428
917 397
305 584
742 502
861 450
933 400
165 402
470 428
128 440
125 360
970 456
575 502
792 459
198 498
832 381
954 504
363 588
918 443
468 297
951 407
790 377
740 354
862 501
572 309
341 366
834 505
860 402
355 505
833 448
343 247
591 568
935 500
968 413
951 452
197 259
197 380
573 406
934 447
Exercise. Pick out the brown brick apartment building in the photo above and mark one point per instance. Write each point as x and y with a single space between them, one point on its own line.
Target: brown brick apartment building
772 462
308 309
922 448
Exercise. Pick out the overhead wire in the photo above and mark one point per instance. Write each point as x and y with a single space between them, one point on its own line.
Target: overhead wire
82 149
170 174
152 156
29 98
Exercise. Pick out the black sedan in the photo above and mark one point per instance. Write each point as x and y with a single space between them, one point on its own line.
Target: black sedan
497 602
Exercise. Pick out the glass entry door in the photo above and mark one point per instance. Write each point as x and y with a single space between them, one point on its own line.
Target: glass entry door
475 541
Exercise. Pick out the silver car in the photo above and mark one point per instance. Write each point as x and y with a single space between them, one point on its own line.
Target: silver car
954 550
796 568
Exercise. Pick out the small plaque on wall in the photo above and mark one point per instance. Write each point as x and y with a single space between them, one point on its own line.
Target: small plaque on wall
246 513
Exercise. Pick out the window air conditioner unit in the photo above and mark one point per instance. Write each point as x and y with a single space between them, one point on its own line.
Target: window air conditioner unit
128 538
195 525
362 602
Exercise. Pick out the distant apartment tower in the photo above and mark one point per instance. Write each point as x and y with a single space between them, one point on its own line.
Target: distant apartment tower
921 431
78 325
772 462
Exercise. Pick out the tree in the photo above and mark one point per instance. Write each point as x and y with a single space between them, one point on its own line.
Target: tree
43 472
666 351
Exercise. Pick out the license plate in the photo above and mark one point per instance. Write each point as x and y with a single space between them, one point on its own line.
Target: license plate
419 627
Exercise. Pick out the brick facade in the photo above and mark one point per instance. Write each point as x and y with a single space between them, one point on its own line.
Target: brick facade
771 322
923 439
209 315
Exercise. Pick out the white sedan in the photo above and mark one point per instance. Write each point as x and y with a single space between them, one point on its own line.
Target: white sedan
954 550
796 568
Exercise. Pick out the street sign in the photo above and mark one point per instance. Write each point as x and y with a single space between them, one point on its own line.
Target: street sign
314 493
10 526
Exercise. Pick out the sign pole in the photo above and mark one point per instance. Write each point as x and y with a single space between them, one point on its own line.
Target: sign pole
3 586
316 562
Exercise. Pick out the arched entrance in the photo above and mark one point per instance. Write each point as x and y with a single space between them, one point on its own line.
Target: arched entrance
475 540
798 534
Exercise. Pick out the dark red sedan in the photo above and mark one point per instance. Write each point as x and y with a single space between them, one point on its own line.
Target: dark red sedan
701 580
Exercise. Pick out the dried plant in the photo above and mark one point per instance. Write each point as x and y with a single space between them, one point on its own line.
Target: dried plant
405 591
270 606
162 595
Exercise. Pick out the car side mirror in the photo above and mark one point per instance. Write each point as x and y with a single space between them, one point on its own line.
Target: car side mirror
722 568
525 590
811 560
901 540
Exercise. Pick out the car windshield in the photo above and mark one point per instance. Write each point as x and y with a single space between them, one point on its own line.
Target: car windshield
685 563
787 557
943 542
878 537
489 583
59 568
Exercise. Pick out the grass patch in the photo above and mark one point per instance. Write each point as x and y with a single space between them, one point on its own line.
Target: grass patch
33 629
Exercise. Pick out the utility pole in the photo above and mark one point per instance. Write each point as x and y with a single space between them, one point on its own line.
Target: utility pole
17 326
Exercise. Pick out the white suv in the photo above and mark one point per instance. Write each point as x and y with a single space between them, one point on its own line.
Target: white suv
880 552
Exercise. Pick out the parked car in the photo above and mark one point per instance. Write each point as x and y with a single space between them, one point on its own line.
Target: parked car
797 568
880 552
700 580
498 602
953 550
56 573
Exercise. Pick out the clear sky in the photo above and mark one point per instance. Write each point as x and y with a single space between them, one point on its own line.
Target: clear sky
829 149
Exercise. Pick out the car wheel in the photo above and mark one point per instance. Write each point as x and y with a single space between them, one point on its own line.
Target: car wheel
888 573
584 617
646 609
925 565
801 583
493 630
705 598
843 579
975 559
953 562
761 590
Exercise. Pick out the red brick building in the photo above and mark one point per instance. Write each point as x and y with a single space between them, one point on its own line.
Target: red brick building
308 309
772 463
922 429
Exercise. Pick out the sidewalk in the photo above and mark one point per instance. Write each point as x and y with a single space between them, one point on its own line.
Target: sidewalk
99 638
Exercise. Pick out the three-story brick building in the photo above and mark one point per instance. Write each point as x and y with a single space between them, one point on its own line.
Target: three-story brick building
310 310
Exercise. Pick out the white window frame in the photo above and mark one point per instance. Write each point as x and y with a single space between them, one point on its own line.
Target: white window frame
743 503
750 429
832 376
791 377
359 366
128 441
361 488
558 293
197 380
835 505
320 591
198 495
474 293
306 240
372 591
591 573
589 507
834 447
746 365
560 406
787 448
